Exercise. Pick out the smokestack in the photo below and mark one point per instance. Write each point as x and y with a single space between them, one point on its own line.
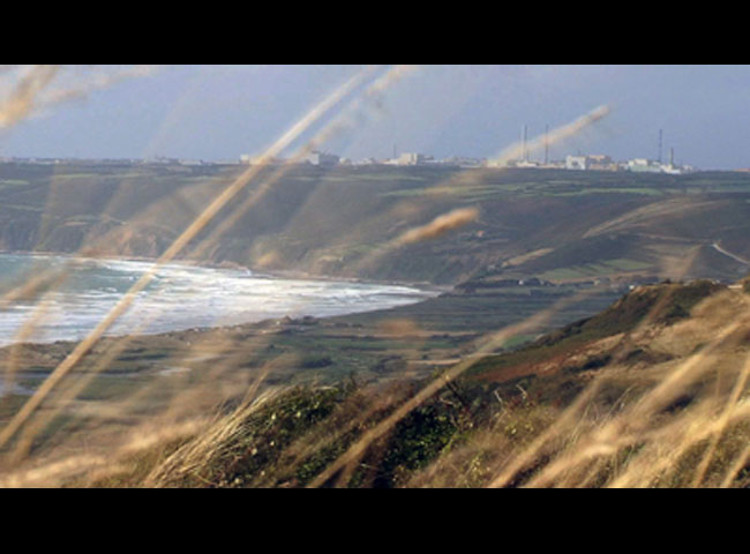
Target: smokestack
660 133
525 153
546 144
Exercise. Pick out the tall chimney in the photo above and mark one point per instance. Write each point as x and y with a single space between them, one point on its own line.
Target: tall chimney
660 132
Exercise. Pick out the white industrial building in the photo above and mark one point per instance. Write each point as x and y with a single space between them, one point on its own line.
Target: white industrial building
323 159
411 158
642 165
576 162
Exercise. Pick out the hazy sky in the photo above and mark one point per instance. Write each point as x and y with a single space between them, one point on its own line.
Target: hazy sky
221 112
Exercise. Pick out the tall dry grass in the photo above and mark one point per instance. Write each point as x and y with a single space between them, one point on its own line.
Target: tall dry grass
638 441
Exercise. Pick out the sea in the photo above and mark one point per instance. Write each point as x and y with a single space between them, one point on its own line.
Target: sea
178 297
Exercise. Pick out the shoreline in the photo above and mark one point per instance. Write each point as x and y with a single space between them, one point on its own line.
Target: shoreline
289 275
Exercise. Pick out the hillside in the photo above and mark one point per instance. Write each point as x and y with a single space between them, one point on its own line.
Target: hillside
460 390
555 225
650 392
598 403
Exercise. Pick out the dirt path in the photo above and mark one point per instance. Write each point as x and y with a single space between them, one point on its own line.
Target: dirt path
718 248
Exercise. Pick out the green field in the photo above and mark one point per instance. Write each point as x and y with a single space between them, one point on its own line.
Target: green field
138 210
578 241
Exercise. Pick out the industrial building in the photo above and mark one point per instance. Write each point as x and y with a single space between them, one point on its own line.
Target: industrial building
323 159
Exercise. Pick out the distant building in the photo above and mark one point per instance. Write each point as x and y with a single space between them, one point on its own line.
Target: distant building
591 162
642 165
323 159
462 161
526 163
366 161
671 169
576 162
601 162
253 160
409 158
599 159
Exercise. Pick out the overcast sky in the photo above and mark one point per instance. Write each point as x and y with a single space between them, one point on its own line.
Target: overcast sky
222 112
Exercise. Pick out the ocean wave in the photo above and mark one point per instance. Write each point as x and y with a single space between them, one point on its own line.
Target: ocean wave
182 297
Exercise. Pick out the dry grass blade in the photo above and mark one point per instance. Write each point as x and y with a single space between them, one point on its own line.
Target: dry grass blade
658 404
355 452
517 150
660 444
191 460
22 100
230 192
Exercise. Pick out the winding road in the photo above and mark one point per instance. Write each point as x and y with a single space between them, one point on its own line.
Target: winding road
718 248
